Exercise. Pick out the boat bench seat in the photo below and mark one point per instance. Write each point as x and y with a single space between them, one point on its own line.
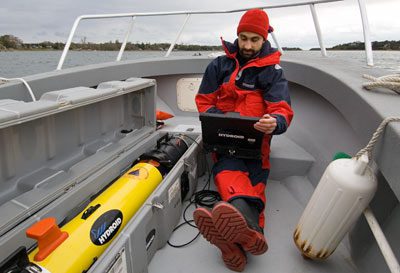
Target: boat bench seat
83 94
123 85
14 109
76 95
288 159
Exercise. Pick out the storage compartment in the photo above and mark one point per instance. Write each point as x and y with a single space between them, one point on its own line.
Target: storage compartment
150 229
55 160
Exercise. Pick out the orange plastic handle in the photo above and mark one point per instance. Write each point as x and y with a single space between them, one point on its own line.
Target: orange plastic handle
48 235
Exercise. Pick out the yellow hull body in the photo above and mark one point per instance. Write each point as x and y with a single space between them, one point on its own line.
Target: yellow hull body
110 212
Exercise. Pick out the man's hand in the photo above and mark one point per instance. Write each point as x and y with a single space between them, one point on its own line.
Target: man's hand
266 124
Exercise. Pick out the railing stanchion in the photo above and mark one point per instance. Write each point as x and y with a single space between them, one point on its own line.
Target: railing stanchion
68 44
276 42
122 49
318 30
178 36
367 39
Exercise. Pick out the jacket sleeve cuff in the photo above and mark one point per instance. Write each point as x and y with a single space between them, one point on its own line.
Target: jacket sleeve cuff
214 110
281 124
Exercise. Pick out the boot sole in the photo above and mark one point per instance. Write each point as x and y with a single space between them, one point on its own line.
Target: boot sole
233 227
233 257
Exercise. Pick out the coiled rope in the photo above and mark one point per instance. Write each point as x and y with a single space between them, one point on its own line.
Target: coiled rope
371 144
391 82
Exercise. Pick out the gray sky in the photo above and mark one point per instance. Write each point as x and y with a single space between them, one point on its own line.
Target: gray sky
41 20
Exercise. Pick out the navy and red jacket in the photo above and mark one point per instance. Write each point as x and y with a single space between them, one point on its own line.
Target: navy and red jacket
254 88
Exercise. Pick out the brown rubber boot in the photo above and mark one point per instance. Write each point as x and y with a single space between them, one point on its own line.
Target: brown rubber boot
233 257
233 227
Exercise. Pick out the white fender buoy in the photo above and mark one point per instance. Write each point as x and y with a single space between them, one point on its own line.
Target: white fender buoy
344 191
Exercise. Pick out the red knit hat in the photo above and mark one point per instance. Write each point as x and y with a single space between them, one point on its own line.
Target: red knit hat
256 21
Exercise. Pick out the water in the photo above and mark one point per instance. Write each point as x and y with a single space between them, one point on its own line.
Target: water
388 60
22 63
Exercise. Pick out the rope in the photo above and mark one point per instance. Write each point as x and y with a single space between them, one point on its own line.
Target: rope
371 144
391 82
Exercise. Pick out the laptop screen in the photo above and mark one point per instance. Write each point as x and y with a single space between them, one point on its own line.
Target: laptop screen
231 134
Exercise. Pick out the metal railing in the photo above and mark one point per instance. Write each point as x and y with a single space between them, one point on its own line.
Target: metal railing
311 4
382 242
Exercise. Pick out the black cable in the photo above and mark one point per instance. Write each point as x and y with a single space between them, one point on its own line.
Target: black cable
186 222
185 244
194 140
205 198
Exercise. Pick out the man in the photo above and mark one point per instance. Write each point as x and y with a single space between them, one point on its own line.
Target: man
250 81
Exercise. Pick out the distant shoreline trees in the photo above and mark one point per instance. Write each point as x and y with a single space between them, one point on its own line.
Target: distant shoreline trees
11 42
382 45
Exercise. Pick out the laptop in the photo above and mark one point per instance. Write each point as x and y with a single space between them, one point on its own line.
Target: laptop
231 134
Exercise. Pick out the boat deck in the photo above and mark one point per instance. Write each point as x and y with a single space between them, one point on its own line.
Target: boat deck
286 200
282 213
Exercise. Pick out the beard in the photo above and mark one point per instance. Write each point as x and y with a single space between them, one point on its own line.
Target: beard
247 54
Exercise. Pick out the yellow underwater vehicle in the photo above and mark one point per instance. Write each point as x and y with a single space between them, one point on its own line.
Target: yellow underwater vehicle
86 237
76 245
